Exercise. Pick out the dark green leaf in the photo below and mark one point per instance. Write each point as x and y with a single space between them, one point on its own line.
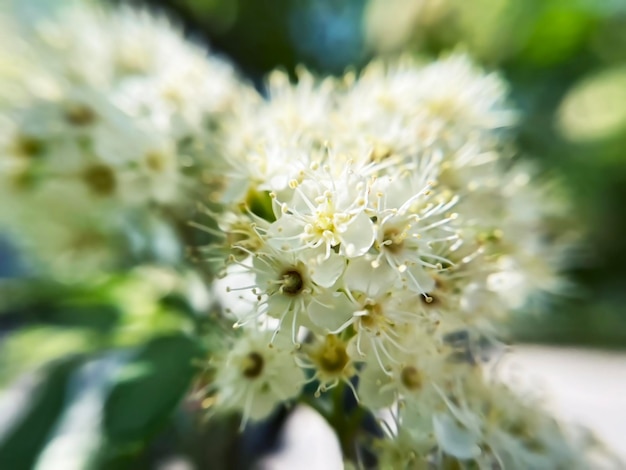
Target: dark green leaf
21 447
148 389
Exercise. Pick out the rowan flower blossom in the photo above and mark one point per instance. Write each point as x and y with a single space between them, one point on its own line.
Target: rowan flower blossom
324 212
256 376
394 242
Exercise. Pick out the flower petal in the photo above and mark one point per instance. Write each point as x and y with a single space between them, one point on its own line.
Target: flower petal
358 236
454 439
325 272
418 279
331 310
372 390
284 233
361 276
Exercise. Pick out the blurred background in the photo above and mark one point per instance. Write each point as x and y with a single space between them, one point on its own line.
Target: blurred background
566 63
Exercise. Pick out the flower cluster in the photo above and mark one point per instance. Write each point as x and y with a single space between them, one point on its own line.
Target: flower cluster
101 113
377 228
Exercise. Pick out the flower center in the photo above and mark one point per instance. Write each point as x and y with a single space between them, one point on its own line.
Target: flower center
393 240
411 378
375 318
80 115
100 179
333 357
27 146
253 365
155 161
241 239
292 282
324 223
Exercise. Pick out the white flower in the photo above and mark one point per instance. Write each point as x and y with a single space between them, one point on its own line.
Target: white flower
300 112
488 423
266 166
455 91
285 288
407 445
280 285
235 237
329 357
325 213
256 376
411 377
401 449
444 104
410 227
379 313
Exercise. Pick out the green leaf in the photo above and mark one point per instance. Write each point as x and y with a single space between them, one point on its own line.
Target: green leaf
260 203
20 448
147 391
32 347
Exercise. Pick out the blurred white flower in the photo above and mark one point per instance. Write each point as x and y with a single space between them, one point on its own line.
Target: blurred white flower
256 376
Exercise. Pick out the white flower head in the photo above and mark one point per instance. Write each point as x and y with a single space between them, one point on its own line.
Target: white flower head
284 288
371 305
325 215
328 356
256 376
410 227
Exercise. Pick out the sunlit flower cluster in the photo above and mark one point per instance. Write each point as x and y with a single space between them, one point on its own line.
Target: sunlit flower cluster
375 226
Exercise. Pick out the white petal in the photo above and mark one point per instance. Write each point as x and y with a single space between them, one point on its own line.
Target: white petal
325 272
476 298
288 379
237 302
278 304
454 439
419 280
361 276
358 236
263 402
283 234
370 383
330 310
